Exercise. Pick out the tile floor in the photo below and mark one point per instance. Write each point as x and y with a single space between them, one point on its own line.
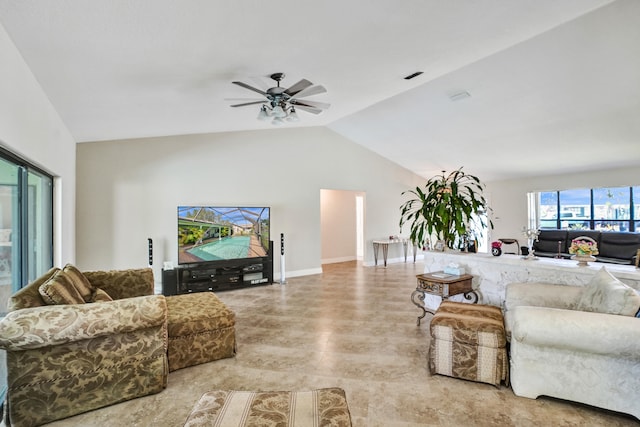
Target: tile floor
352 327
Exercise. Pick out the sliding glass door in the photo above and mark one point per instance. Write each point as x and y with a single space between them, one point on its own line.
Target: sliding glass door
26 225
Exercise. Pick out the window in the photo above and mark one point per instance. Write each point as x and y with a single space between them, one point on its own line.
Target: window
603 209
635 204
26 224
612 208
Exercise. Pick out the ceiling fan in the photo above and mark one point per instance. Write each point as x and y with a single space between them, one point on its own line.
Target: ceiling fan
281 103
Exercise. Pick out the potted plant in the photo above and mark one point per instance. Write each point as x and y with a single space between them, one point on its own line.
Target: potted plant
450 208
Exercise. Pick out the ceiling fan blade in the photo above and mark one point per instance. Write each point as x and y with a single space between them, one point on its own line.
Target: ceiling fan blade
258 81
300 86
246 86
308 109
314 104
249 103
313 90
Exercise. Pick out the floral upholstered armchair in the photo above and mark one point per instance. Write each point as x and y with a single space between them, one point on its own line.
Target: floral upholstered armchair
80 341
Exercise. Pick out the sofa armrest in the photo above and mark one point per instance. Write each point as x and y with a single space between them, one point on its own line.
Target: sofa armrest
536 294
133 282
579 331
53 325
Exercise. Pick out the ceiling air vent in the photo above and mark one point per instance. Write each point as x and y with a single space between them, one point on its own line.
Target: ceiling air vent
416 74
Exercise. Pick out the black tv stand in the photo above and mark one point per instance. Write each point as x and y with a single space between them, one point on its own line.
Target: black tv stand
218 275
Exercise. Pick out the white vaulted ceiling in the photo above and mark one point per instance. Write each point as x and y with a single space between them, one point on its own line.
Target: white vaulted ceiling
554 84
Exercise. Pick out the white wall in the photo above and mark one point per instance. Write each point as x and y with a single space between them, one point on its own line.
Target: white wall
129 190
31 128
509 198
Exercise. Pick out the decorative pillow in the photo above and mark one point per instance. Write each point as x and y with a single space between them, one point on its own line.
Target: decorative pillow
59 290
100 296
81 283
606 294
29 296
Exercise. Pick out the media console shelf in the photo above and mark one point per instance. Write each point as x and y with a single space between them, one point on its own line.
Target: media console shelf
218 276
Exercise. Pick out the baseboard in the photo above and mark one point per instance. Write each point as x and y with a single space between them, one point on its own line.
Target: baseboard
337 260
297 273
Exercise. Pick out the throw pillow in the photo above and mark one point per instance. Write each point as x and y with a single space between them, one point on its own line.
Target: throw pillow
29 296
59 290
606 294
80 282
100 296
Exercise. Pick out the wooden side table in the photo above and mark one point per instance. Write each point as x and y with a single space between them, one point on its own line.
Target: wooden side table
443 285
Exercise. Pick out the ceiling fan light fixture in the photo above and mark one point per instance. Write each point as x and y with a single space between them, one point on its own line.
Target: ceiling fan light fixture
277 121
278 112
293 115
263 114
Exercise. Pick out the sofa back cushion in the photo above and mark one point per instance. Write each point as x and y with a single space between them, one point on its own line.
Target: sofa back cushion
606 294
121 284
548 241
105 285
619 245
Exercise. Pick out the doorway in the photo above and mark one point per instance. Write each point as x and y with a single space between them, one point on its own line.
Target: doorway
342 219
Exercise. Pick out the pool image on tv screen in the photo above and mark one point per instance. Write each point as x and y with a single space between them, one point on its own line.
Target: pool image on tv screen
212 233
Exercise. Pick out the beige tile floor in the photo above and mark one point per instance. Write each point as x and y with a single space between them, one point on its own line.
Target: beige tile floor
352 327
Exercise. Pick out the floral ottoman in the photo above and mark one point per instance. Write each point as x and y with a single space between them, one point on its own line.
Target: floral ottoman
468 341
201 329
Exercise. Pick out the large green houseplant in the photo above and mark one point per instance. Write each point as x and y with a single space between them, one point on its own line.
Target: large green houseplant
450 208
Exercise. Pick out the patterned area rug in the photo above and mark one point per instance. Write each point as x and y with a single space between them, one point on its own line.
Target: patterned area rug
315 408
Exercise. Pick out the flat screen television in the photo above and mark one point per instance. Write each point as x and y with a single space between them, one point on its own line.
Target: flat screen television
219 233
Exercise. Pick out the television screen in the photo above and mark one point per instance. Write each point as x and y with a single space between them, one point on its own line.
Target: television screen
210 233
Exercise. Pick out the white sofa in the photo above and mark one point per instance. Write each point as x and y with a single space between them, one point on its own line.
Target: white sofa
579 343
